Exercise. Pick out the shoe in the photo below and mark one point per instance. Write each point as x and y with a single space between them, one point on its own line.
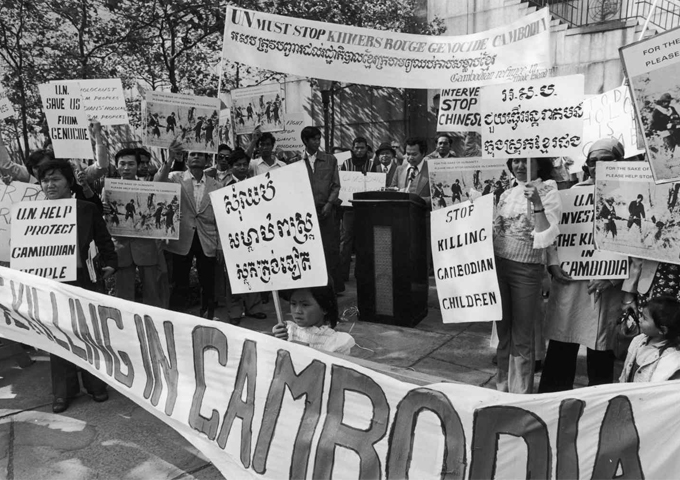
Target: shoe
258 315
235 321
100 397
59 405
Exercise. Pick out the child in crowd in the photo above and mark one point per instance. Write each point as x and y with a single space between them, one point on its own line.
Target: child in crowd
315 315
654 355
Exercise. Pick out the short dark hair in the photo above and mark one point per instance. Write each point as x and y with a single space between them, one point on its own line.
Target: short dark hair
309 132
640 197
327 300
266 136
143 152
360 140
60 165
224 146
133 152
442 134
421 142
545 167
236 155
36 157
665 312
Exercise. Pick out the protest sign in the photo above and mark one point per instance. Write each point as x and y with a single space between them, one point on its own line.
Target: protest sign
10 194
515 52
354 182
226 134
460 179
289 139
142 209
270 232
652 67
540 118
223 388
103 100
6 109
66 119
459 110
575 244
464 266
633 215
192 120
608 115
261 105
44 238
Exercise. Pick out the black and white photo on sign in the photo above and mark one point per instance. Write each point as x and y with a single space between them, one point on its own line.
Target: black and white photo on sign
261 105
195 121
633 215
456 180
142 209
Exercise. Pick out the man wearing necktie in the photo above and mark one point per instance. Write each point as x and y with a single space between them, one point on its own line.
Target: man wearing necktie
386 162
413 176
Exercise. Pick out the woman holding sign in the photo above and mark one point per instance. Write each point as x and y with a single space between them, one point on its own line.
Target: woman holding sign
581 312
521 236
57 181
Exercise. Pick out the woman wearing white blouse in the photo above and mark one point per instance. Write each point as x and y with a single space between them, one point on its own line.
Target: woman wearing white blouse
521 235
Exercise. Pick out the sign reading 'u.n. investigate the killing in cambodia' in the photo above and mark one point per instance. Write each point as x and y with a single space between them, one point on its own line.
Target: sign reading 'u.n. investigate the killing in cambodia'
515 52
576 245
262 408
269 231
464 265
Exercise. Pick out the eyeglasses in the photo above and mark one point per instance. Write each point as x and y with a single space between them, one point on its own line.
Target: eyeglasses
222 155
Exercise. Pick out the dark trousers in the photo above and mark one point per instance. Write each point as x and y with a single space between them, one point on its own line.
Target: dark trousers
330 236
181 268
559 369
346 242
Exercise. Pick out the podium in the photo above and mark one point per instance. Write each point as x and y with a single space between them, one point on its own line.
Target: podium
390 234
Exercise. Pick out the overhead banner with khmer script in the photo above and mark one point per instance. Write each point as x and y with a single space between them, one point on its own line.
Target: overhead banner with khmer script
519 51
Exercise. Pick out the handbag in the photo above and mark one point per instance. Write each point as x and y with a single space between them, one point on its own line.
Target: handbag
627 327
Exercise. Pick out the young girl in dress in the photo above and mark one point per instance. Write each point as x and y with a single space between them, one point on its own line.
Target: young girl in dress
315 315
654 355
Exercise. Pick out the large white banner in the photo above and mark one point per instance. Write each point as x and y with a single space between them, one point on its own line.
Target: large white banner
270 231
10 194
540 118
356 182
515 52
464 265
576 245
262 408
44 238
66 119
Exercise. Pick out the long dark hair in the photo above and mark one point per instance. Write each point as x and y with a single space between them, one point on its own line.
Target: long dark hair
62 166
665 312
545 167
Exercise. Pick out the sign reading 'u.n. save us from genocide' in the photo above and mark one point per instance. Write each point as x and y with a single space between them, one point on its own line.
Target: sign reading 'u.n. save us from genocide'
514 52
269 231
261 408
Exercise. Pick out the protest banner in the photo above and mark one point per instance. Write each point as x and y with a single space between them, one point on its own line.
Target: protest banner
261 105
652 67
608 115
6 109
540 118
10 194
633 215
270 232
515 52
460 179
576 245
103 100
354 182
195 121
150 209
66 119
223 388
464 265
289 139
459 110
44 238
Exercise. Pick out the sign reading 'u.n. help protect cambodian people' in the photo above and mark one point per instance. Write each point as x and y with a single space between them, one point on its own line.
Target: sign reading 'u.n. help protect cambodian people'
517 51
261 408
10 194
269 231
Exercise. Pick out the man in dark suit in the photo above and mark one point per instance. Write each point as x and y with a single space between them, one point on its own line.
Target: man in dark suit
413 176
197 231
637 212
386 163
135 254
325 181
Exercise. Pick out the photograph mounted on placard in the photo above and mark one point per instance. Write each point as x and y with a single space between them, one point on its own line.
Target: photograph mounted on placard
262 105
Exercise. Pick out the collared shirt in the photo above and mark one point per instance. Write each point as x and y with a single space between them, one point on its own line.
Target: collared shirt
199 186
221 176
436 155
312 159
258 166
412 173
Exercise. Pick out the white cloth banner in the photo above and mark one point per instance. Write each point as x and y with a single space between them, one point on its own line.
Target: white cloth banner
576 245
464 264
262 408
44 238
514 52
66 119
540 118
10 194
355 182
270 232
